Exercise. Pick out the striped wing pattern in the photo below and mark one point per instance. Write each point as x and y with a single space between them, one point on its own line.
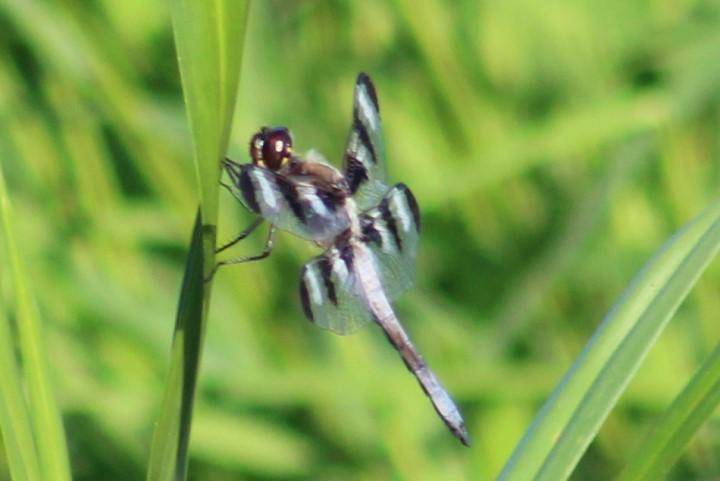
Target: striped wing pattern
364 160
330 294
391 230
298 207
329 291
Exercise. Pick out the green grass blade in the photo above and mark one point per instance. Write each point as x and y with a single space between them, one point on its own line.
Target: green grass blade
14 420
44 413
209 38
625 361
168 456
674 430
568 420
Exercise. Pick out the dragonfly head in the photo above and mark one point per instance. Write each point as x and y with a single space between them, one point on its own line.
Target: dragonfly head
271 147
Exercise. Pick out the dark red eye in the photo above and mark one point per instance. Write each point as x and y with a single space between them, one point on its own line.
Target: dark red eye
256 145
271 147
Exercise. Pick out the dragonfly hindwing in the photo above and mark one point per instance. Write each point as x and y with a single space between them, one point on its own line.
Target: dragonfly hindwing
391 231
330 294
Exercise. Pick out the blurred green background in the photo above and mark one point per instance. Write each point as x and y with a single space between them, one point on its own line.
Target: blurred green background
552 147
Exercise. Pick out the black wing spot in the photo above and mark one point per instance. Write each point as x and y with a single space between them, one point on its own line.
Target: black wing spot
370 232
248 191
356 172
332 200
346 254
326 272
390 222
290 193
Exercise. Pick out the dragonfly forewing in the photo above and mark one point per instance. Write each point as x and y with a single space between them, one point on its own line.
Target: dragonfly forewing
298 207
364 160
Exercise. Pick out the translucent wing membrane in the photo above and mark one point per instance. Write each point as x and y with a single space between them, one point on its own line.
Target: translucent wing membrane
329 292
328 285
391 230
364 161
298 207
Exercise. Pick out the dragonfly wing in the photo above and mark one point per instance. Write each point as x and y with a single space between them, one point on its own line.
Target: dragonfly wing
329 292
364 161
298 207
391 230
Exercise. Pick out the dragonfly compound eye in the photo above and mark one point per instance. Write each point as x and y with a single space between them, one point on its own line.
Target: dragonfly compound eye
271 147
256 148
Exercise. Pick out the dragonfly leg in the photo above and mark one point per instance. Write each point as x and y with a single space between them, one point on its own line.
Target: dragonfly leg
240 260
233 192
246 232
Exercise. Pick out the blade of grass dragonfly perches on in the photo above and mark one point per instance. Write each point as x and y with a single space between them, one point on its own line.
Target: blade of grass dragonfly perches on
46 421
571 417
168 458
209 38
674 430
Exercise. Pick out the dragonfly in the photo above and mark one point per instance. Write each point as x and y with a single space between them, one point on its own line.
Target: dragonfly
368 230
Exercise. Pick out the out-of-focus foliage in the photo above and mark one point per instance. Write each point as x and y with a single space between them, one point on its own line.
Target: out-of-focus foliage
552 147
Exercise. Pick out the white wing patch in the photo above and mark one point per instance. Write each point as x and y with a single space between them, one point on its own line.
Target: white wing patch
312 278
269 196
368 108
400 210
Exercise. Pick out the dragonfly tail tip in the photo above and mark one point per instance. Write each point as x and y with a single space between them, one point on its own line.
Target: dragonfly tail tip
463 436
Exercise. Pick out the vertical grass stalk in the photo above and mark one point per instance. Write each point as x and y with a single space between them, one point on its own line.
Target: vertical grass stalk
209 39
49 436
